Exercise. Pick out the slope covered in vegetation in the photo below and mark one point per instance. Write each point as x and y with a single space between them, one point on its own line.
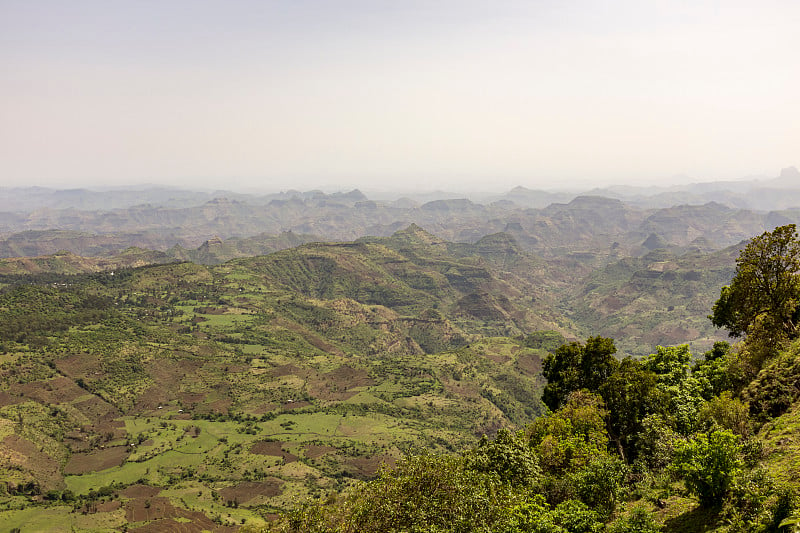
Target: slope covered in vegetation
664 443
223 395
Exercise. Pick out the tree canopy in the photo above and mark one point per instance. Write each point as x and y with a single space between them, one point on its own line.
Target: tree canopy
575 366
765 291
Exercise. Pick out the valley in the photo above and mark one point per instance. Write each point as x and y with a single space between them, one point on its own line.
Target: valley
219 386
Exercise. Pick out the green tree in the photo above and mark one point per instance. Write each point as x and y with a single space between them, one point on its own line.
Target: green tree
536 516
572 436
509 456
712 370
430 493
765 291
630 394
709 463
575 366
599 484
677 385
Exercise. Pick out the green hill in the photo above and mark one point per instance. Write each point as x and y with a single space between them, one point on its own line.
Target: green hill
232 391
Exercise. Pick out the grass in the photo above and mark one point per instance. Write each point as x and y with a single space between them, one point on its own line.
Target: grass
59 519
364 314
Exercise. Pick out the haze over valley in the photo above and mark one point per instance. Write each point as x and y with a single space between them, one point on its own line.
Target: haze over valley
392 267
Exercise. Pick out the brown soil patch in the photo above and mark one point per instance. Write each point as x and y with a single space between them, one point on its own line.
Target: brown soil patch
8 399
530 364
611 304
24 454
153 508
274 448
79 365
337 385
244 492
315 451
464 389
191 398
168 373
56 390
368 466
350 377
151 398
497 358
288 370
310 337
199 523
666 335
81 463
77 441
116 428
259 408
217 406
97 409
107 507
140 491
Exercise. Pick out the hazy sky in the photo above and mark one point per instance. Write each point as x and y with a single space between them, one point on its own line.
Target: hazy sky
400 93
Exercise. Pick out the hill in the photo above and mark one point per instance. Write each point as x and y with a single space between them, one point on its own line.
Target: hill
222 393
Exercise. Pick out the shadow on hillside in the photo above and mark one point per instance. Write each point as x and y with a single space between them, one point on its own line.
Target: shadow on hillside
697 520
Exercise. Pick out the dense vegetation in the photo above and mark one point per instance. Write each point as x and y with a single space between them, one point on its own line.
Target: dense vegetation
627 443
223 395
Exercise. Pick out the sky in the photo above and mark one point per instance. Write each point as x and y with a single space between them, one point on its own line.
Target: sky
401 95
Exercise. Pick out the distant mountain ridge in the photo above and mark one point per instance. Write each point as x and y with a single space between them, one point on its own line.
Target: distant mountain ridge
585 223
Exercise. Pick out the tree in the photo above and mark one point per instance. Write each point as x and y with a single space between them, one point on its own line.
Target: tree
676 383
709 464
509 456
712 370
572 436
765 291
430 493
630 394
575 366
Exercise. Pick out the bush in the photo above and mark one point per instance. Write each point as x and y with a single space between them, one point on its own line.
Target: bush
423 493
637 520
599 484
709 463
508 456
535 516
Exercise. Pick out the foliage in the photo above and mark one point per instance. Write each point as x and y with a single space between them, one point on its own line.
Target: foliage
762 299
575 366
776 387
536 516
423 493
655 443
676 383
709 464
572 436
726 412
712 370
629 394
600 483
508 456
636 520
746 506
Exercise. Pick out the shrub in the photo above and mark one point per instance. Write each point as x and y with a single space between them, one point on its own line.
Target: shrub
709 463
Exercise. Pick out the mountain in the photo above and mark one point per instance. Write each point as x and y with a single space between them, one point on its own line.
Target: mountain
549 224
227 392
